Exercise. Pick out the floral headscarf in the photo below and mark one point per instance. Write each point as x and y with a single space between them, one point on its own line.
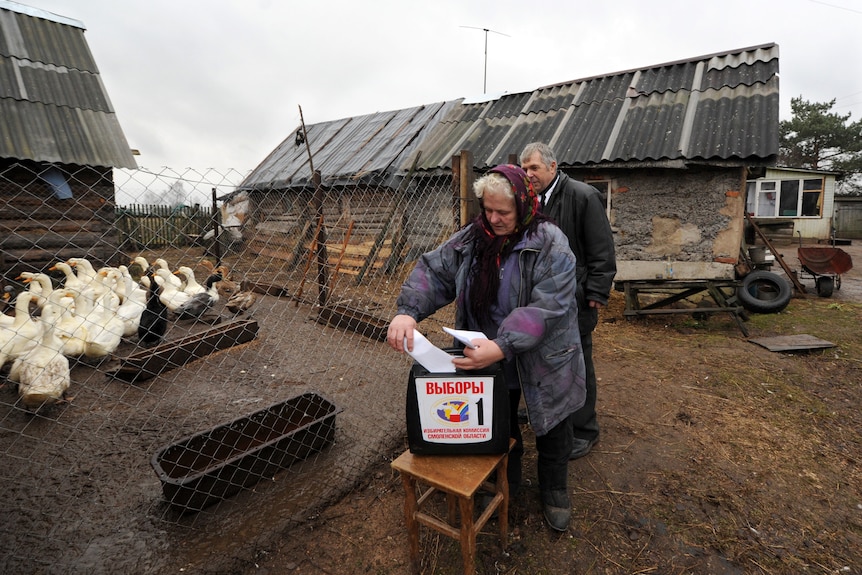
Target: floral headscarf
491 249
526 198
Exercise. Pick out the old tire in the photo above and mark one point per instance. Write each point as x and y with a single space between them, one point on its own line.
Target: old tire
764 292
824 285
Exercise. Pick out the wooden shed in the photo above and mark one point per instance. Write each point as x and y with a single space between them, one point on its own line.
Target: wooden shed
672 145
61 142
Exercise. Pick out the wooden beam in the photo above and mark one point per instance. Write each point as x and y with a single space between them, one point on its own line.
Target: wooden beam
778 258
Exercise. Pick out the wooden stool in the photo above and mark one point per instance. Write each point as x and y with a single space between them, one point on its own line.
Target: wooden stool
459 477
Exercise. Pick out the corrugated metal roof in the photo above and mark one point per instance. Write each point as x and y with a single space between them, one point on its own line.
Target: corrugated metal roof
350 149
719 107
714 108
53 103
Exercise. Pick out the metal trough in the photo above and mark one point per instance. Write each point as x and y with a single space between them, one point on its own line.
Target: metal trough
200 470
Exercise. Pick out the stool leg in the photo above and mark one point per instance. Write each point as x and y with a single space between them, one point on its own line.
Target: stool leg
468 535
451 508
503 487
410 508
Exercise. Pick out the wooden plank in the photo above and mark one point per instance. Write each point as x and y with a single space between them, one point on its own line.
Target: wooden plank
279 254
798 342
794 280
677 290
169 355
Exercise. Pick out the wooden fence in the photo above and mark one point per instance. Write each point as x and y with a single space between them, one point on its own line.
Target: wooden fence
146 227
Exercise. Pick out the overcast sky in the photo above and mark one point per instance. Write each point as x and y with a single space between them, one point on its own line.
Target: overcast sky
219 84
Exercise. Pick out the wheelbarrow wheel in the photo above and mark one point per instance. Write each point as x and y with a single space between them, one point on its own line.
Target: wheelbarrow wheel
824 285
764 292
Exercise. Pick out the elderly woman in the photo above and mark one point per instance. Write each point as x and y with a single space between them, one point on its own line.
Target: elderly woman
512 276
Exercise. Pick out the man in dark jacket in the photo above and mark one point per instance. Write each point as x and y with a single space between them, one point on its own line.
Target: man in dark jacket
579 210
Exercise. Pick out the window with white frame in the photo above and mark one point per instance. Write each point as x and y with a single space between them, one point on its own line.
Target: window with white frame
791 198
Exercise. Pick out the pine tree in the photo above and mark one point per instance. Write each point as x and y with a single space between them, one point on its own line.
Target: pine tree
819 139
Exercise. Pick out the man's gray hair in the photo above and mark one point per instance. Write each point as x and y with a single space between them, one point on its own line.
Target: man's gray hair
545 153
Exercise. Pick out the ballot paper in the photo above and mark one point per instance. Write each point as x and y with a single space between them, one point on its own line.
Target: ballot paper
465 336
429 356
434 359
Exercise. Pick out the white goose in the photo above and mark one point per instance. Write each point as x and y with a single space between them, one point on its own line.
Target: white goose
24 333
170 294
131 307
84 269
39 285
138 267
88 275
70 280
42 372
71 328
104 327
134 289
162 264
191 287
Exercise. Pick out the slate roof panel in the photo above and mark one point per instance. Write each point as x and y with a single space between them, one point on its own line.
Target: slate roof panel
553 98
583 137
718 107
349 149
733 124
652 128
54 105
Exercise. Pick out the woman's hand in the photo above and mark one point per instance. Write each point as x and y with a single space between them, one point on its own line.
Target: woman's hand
486 353
401 327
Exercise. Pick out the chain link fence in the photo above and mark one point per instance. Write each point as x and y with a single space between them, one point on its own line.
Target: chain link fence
190 445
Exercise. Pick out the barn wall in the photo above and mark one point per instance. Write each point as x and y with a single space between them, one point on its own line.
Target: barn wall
388 227
37 229
688 221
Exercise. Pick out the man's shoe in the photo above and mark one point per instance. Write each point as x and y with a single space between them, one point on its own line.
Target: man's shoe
581 447
557 509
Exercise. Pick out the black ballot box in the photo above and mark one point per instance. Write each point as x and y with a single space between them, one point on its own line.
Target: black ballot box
466 412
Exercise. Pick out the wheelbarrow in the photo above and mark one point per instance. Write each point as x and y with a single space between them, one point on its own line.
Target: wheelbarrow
825 265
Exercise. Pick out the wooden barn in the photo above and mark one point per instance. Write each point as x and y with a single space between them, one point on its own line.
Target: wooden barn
363 201
672 145
61 141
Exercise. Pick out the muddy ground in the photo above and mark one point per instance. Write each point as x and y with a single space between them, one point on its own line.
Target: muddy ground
717 456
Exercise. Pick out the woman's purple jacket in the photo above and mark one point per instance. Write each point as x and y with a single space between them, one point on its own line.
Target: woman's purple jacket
541 333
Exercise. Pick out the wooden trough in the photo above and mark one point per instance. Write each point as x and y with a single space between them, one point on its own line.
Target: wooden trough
202 469
169 355
345 317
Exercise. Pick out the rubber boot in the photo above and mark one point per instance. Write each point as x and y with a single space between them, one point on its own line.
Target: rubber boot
557 509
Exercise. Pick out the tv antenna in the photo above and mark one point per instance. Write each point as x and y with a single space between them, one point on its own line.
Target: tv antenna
486 30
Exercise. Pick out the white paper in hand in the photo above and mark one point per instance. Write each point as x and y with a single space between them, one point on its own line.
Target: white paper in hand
465 336
429 356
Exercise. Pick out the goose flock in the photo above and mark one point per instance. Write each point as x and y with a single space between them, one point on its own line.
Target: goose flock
91 312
